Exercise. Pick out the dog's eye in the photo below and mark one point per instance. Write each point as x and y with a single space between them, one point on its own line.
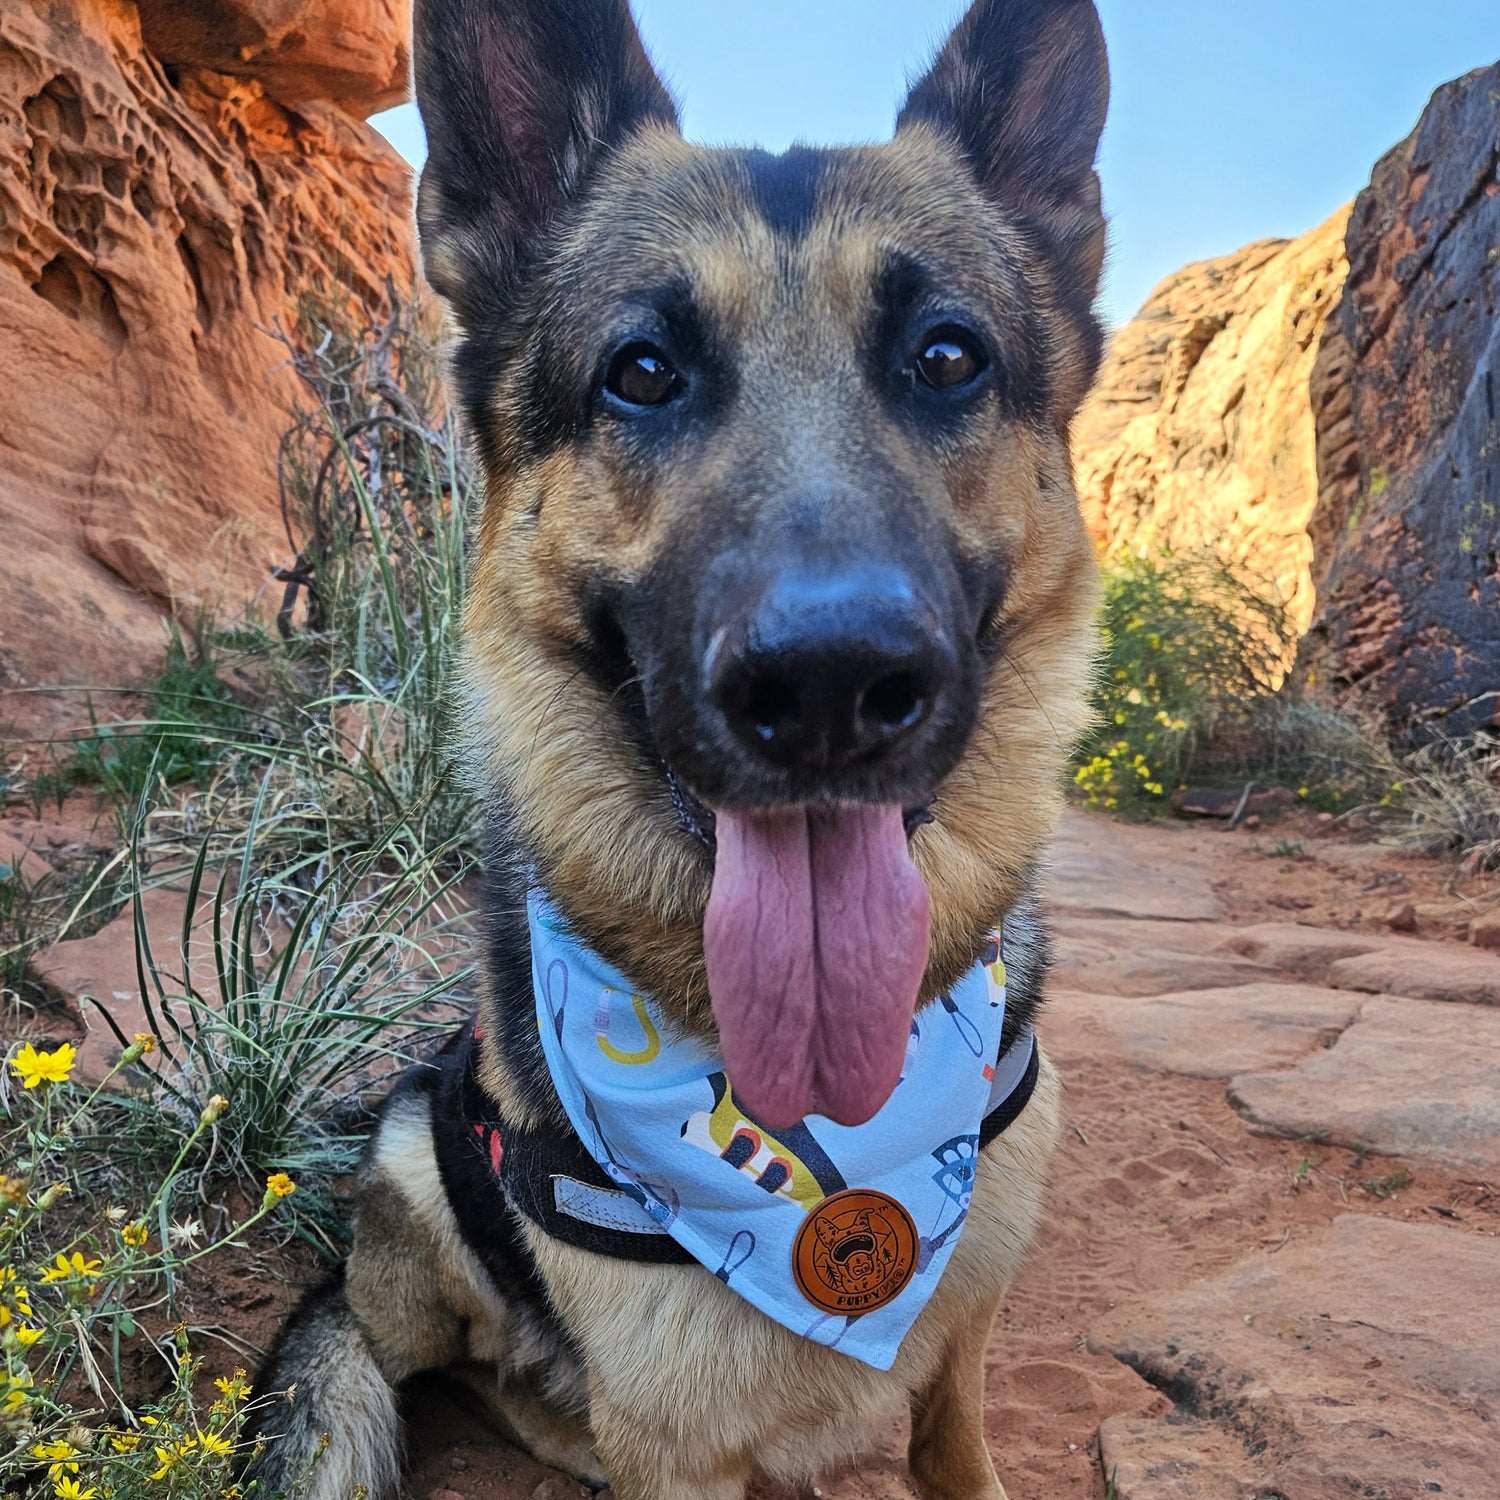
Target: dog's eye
950 357
641 375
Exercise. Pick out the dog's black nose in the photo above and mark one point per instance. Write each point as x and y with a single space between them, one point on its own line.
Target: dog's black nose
827 670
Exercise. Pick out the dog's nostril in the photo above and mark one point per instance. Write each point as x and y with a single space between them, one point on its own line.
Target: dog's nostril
770 705
895 702
829 670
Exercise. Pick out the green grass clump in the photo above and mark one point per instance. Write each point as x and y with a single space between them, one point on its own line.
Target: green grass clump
191 717
1449 791
1189 643
291 993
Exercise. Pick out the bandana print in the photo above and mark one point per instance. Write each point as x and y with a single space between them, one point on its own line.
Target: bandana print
838 1233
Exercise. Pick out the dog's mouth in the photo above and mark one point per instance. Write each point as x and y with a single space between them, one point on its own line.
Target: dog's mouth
804 739
698 819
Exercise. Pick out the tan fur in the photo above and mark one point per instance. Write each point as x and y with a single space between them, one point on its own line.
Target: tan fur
691 1387
425 1302
691 1390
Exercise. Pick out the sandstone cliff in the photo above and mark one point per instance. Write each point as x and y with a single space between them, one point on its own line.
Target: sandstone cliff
158 209
1201 429
1406 397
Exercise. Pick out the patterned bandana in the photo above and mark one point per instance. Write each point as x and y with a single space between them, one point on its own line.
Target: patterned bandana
839 1233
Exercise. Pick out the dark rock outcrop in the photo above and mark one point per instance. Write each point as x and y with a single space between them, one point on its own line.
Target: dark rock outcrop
1406 395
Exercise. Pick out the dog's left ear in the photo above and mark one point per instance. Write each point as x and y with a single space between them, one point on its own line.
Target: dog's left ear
1022 86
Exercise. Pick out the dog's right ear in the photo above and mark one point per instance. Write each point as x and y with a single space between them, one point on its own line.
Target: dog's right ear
518 97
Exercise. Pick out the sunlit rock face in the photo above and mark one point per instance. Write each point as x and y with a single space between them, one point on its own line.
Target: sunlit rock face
1406 398
354 52
158 211
1201 429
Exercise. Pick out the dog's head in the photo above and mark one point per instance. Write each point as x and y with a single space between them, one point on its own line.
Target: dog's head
780 551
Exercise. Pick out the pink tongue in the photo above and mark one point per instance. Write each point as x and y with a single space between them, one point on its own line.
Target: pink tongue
816 941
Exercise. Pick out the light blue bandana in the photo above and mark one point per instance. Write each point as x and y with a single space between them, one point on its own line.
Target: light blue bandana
839 1233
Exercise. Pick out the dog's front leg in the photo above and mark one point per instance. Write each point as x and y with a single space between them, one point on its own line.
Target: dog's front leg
947 1453
646 1461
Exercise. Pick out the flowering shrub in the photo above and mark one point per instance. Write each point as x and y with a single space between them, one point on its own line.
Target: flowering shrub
1187 645
75 1286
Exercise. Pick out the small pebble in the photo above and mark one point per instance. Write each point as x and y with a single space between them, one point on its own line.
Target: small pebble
1402 917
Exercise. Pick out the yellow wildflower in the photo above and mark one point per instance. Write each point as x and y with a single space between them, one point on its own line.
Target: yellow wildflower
167 1459
146 1040
135 1234
26 1336
124 1442
235 1386
70 1489
220 1447
279 1185
58 1456
67 1267
33 1067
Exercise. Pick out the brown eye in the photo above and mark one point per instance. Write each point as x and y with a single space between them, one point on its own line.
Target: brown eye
641 375
949 358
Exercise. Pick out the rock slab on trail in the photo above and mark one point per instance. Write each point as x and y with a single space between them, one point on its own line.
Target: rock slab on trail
1408 1078
1216 1033
1328 1370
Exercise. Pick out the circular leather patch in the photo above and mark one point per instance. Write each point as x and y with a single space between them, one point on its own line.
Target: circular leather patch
856 1252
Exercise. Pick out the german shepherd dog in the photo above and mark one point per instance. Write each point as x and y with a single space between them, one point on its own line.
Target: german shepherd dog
779 636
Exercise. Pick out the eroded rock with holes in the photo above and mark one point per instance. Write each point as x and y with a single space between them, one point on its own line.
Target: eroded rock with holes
1200 430
153 221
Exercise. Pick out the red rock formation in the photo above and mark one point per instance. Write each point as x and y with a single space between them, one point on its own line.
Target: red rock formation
1200 430
155 215
1406 395
352 51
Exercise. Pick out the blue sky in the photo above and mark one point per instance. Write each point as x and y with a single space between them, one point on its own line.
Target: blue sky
1230 121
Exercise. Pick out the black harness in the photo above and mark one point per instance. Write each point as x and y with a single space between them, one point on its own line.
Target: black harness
478 1151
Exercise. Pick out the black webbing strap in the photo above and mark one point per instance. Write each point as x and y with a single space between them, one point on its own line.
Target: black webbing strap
527 1164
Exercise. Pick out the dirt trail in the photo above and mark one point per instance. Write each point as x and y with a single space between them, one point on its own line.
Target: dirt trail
1193 1305
1271 1265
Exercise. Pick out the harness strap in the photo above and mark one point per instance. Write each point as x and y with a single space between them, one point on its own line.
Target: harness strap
551 1178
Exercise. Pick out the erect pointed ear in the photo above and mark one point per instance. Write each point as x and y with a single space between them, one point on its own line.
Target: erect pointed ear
1022 86
519 97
